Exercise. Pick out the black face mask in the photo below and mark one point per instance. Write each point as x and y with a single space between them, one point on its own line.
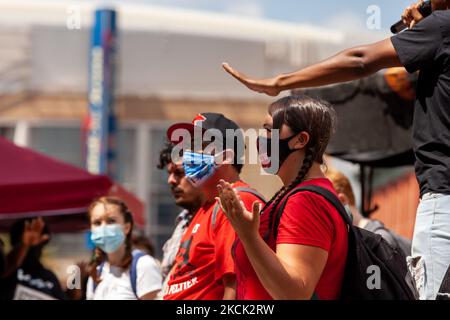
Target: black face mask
284 151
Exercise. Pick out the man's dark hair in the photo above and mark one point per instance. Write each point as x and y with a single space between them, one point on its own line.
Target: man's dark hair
165 155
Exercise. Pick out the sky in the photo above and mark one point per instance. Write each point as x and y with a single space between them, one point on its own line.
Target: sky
342 15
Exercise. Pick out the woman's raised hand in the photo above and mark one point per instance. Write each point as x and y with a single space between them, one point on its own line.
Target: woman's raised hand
244 222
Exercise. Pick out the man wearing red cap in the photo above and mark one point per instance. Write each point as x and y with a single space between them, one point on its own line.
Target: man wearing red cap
204 268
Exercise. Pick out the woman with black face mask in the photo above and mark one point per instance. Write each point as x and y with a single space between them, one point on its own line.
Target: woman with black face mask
298 252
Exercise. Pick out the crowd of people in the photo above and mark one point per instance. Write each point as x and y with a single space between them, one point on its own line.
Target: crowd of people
229 242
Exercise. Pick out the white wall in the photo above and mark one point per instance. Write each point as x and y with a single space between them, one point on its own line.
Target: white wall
163 51
158 62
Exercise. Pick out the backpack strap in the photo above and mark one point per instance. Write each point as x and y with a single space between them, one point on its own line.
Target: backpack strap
99 273
328 195
136 255
239 189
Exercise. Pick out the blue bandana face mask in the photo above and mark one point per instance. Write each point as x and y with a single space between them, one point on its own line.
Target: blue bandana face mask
198 167
109 238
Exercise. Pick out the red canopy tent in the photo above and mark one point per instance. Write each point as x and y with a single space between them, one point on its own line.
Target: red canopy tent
35 185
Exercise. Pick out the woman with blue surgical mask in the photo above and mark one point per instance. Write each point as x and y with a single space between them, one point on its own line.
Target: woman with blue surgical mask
120 273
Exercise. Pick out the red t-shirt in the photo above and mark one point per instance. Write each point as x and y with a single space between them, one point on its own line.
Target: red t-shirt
310 220
205 254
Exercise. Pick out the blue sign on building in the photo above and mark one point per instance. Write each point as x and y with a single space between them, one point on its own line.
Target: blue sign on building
101 124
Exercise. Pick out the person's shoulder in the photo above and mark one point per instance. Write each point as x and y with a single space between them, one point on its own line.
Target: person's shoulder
149 271
47 274
307 200
438 19
374 225
147 261
379 228
442 14
306 196
149 267
311 204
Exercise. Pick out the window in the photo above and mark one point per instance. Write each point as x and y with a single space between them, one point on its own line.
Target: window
62 143
65 144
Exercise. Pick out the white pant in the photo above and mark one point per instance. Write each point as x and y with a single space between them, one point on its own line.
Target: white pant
431 244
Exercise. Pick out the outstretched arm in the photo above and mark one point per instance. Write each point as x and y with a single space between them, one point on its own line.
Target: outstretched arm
350 64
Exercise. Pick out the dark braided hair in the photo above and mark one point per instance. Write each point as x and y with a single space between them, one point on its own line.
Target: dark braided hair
100 256
301 114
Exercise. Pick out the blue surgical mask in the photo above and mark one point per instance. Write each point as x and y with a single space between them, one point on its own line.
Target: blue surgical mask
198 167
109 237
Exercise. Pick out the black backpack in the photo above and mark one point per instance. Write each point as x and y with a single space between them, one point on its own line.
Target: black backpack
400 242
367 254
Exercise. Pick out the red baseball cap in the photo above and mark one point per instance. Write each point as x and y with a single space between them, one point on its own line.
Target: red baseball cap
203 122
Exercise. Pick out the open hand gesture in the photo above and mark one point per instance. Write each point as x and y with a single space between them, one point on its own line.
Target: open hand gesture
266 86
244 222
32 234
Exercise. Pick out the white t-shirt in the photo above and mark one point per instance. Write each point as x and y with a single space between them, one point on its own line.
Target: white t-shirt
116 283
